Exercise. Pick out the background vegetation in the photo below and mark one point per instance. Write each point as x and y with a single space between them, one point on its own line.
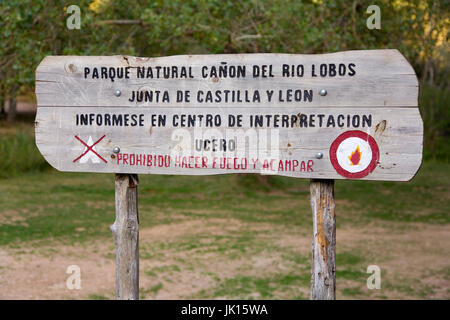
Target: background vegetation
32 29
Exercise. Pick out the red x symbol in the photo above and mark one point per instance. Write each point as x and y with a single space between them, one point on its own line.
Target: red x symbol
89 148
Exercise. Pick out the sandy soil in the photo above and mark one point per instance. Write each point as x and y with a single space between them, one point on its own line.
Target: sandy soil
418 257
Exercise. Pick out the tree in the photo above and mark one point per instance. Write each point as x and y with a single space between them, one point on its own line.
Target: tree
32 29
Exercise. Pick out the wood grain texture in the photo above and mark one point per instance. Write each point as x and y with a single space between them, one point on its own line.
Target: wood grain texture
383 87
323 272
397 131
126 236
383 79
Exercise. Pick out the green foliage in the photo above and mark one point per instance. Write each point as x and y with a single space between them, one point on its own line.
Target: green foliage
32 29
436 117
36 28
19 154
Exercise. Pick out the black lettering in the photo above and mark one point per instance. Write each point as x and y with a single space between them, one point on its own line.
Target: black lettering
355 121
367 120
308 95
117 120
303 120
340 120
331 122
352 71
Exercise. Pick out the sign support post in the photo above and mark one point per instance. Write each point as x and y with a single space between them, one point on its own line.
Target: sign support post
126 235
323 272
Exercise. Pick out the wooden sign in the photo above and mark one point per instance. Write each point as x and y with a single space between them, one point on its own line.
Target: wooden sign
345 115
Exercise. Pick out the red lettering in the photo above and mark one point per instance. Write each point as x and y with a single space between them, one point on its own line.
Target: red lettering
280 165
167 161
184 163
235 165
139 159
244 163
302 166
310 164
271 164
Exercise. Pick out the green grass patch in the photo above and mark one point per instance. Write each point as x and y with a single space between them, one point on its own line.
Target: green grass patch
153 290
424 199
352 292
169 269
356 275
433 104
80 206
97 297
348 258
251 287
19 152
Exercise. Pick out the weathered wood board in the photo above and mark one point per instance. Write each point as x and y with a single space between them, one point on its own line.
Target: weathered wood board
244 113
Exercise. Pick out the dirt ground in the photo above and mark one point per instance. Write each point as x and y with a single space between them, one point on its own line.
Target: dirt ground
419 256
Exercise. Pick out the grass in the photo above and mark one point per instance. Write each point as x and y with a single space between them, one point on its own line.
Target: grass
152 291
97 297
424 199
54 205
247 287
19 152
50 209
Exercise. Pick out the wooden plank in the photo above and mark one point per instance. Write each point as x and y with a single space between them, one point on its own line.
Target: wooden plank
341 115
126 236
372 78
398 132
323 272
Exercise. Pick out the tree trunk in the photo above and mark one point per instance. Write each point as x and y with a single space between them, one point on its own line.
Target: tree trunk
2 105
126 236
12 109
323 274
2 94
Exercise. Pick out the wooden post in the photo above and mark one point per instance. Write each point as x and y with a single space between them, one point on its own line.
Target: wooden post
323 273
126 235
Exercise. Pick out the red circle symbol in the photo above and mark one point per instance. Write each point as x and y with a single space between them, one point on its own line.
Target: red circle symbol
354 134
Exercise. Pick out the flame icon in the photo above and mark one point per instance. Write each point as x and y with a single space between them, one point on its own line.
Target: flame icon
355 157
